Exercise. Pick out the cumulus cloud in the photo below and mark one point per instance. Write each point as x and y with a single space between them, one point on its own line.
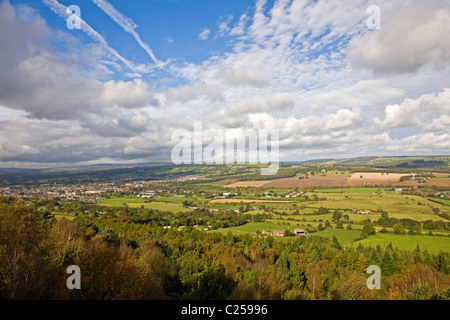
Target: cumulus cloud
439 124
237 115
251 76
363 93
421 111
288 66
126 94
47 86
188 93
412 37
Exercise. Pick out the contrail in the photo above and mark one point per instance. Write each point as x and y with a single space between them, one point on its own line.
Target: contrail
62 11
127 24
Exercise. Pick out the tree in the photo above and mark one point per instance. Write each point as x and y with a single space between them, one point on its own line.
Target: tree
110 273
421 291
288 233
158 264
213 284
367 230
190 266
64 244
335 243
337 215
442 263
387 264
23 271
398 228
415 230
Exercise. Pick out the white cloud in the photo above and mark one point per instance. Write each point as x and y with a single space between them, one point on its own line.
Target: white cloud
62 11
362 93
127 24
126 94
439 124
401 115
412 37
412 113
287 67
251 76
188 93
224 23
204 34
239 28
422 143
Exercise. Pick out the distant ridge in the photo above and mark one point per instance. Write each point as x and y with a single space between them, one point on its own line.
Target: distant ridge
161 170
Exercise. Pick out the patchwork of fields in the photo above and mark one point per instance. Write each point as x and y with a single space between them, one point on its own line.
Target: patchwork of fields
302 212
135 202
338 179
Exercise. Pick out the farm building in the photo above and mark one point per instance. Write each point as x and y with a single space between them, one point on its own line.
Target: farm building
300 232
274 233
362 211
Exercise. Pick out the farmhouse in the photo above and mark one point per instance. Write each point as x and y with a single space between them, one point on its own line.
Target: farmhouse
362 211
300 232
273 233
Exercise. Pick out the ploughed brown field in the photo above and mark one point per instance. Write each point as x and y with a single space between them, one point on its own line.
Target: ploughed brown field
358 179
246 201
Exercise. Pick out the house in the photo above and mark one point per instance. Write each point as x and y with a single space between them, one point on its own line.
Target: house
365 211
300 232
273 233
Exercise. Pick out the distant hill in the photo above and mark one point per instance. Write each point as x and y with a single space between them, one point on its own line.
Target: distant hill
156 171
417 162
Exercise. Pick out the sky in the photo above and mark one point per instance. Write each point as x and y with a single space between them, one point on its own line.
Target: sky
115 89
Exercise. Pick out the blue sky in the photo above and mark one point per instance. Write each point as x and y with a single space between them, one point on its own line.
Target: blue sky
117 89
172 28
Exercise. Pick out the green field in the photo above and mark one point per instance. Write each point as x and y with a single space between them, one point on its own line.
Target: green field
62 216
134 202
252 227
398 206
289 216
343 236
118 201
409 242
349 190
444 201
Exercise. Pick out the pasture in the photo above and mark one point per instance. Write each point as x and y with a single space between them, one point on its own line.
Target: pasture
135 202
432 244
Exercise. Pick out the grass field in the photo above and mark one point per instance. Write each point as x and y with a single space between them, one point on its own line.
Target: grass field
398 206
62 216
118 201
289 214
134 202
444 201
343 236
431 244
252 227
162 206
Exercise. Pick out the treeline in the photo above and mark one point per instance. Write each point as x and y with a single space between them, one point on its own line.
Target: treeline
121 258
409 225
